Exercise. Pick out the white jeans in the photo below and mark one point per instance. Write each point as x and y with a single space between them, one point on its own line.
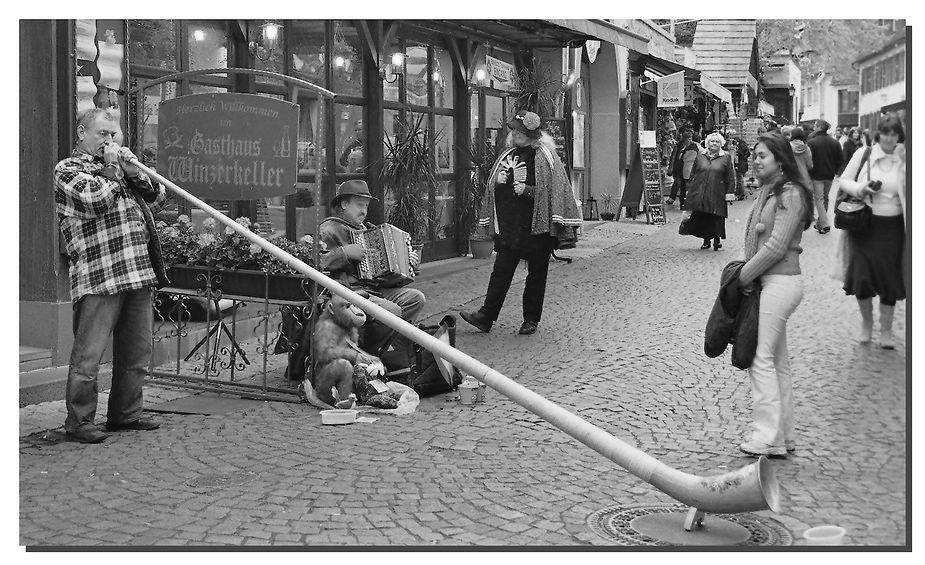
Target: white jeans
770 376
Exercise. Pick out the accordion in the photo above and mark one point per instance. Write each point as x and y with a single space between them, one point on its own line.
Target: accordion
387 249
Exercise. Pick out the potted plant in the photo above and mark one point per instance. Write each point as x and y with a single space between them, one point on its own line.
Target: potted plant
228 262
607 203
481 156
409 176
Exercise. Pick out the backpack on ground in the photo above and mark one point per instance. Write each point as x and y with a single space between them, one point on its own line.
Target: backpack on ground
408 363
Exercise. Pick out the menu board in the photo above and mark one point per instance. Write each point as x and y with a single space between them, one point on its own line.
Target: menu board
653 182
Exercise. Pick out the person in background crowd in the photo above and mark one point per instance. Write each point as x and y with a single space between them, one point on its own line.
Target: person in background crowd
712 177
104 204
838 135
851 144
739 150
871 263
530 210
827 160
676 168
808 128
785 131
688 157
802 154
342 258
782 211
354 150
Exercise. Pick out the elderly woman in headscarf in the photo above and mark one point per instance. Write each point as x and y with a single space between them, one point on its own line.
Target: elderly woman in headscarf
712 177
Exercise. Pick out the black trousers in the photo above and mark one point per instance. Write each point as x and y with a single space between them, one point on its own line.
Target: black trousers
679 184
506 261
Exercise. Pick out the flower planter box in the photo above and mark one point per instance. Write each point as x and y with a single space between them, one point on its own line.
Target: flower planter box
255 284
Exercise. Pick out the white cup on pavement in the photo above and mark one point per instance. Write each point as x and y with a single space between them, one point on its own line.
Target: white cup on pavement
825 535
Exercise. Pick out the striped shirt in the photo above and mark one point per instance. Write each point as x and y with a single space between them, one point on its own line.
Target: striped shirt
103 227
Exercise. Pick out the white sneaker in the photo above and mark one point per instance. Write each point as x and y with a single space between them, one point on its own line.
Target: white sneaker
759 448
790 445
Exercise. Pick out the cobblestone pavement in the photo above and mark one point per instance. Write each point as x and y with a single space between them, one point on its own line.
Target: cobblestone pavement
620 345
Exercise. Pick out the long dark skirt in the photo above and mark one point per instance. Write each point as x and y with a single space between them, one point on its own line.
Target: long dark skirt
875 260
705 226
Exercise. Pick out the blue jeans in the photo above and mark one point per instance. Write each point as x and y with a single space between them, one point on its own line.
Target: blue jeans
127 318
820 197
770 374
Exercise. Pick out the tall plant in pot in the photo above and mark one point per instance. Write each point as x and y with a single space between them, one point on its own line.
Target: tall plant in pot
409 176
481 156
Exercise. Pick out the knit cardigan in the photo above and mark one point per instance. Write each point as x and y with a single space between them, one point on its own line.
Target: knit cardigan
554 208
773 234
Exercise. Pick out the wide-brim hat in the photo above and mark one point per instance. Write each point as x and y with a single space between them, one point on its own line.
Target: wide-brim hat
352 188
527 123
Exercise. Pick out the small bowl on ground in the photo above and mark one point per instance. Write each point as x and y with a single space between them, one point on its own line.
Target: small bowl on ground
335 417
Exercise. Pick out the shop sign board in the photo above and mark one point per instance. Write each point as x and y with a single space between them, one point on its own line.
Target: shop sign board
670 91
229 146
500 72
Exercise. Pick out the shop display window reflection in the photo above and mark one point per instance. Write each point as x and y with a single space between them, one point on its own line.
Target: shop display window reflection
347 60
306 40
153 43
208 45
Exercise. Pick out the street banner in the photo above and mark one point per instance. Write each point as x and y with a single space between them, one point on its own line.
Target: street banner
671 90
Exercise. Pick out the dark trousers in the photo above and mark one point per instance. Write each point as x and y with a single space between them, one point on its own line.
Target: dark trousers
506 261
125 317
679 185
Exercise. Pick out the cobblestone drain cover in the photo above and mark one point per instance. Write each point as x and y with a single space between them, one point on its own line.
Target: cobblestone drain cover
663 525
223 479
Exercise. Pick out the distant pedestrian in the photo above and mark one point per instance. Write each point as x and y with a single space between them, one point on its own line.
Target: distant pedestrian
827 160
712 177
676 168
782 211
530 210
737 147
851 144
871 263
803 155
104 204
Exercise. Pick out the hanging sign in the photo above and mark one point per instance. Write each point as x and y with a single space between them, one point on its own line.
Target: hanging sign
670 92
592 47
500 72
229 146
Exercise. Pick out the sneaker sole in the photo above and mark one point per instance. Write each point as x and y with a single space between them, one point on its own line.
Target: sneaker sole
770 452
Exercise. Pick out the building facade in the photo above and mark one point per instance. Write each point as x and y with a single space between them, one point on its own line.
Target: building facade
883 81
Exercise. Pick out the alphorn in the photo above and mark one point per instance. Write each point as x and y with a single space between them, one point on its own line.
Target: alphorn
751 488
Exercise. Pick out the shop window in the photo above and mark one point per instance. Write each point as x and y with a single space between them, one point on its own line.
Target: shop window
416 74
445 144
445 212
349 138
307 45
390 91
208 45
205 89
442 78
153 43
347 58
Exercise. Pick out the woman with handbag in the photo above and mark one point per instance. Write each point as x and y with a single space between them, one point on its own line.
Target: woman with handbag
712 177
783 210
870 261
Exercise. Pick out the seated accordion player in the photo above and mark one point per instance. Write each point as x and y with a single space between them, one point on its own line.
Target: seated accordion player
387 255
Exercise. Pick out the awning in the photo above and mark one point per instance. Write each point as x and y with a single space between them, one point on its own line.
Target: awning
606 31
765 108
664 67
715 89
537 33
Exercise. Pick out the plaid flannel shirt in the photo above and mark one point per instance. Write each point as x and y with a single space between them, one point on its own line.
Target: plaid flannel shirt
103 227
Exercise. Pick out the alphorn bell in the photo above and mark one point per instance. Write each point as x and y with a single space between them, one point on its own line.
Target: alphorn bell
753 487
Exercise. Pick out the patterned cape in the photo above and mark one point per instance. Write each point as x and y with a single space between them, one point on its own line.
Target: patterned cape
554 208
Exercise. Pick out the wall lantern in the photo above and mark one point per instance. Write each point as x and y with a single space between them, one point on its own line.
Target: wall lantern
792 90
395 68
268 40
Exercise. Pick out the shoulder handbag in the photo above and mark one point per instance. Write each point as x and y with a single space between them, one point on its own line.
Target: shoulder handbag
853 214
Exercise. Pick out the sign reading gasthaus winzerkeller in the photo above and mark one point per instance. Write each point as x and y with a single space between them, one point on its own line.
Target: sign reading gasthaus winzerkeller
228 146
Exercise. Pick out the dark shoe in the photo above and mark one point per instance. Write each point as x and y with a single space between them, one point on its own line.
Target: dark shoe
528 328
706 245
477 319
140 424
717 245
86 435
670 201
